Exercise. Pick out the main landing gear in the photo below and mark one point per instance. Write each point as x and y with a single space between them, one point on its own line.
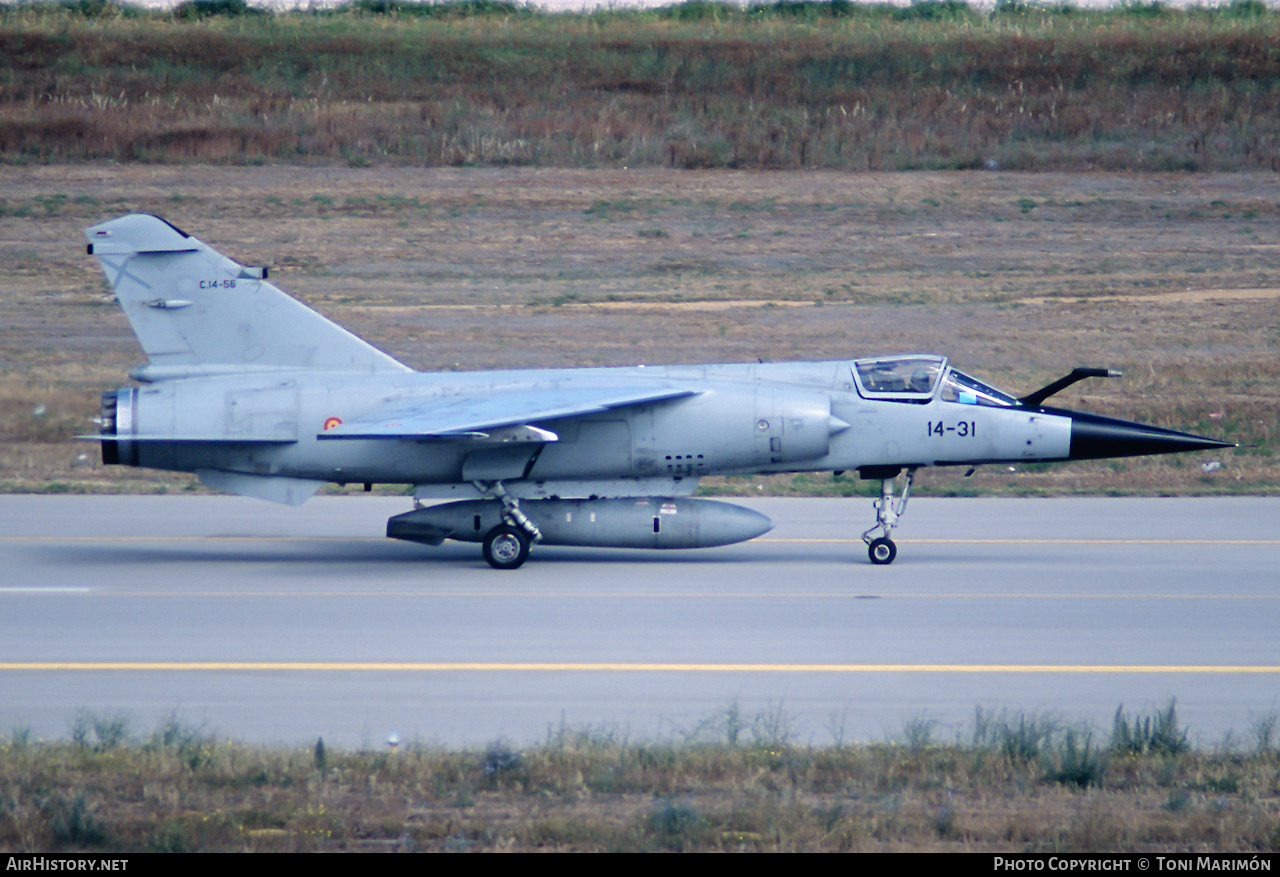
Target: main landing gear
506 546
881 549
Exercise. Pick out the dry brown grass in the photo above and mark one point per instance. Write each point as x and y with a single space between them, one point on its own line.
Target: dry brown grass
1029 90
182 789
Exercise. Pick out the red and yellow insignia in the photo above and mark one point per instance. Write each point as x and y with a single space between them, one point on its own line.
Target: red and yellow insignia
331 422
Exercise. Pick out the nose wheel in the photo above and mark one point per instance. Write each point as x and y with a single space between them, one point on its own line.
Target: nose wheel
881 549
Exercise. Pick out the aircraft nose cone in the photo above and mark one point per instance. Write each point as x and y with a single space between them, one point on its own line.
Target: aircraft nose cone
1095 437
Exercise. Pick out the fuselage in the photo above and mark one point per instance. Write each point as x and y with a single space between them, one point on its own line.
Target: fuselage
739 418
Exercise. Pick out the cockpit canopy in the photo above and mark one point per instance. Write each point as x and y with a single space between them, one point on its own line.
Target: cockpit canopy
908 378
919 379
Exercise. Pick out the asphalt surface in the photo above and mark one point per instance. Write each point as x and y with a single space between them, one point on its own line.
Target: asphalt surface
272 624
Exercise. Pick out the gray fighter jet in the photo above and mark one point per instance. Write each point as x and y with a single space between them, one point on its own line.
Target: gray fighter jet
259 395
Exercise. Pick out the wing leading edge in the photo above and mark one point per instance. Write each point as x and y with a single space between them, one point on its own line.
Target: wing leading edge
478 414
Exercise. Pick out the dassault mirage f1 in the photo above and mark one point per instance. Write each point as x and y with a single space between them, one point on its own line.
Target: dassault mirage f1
259 395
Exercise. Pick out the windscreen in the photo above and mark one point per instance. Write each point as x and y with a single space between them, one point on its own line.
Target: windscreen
959 387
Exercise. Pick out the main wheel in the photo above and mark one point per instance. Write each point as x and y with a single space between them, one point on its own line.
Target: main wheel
882 551
506 547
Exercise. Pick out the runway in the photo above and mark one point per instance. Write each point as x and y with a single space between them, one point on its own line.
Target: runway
273 624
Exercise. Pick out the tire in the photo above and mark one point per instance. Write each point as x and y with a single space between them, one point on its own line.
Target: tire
506 547
882 551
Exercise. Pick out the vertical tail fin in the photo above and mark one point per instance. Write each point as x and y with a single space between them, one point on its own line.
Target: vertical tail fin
194 310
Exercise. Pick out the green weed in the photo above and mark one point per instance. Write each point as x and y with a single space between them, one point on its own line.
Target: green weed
1154 734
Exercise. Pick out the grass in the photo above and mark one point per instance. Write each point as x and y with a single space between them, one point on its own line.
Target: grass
736 783
936 85
1157 734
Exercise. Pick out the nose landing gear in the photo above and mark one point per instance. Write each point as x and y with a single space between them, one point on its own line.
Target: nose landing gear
882 550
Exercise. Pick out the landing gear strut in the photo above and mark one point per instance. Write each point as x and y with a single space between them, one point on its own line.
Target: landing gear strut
881 549
506 546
